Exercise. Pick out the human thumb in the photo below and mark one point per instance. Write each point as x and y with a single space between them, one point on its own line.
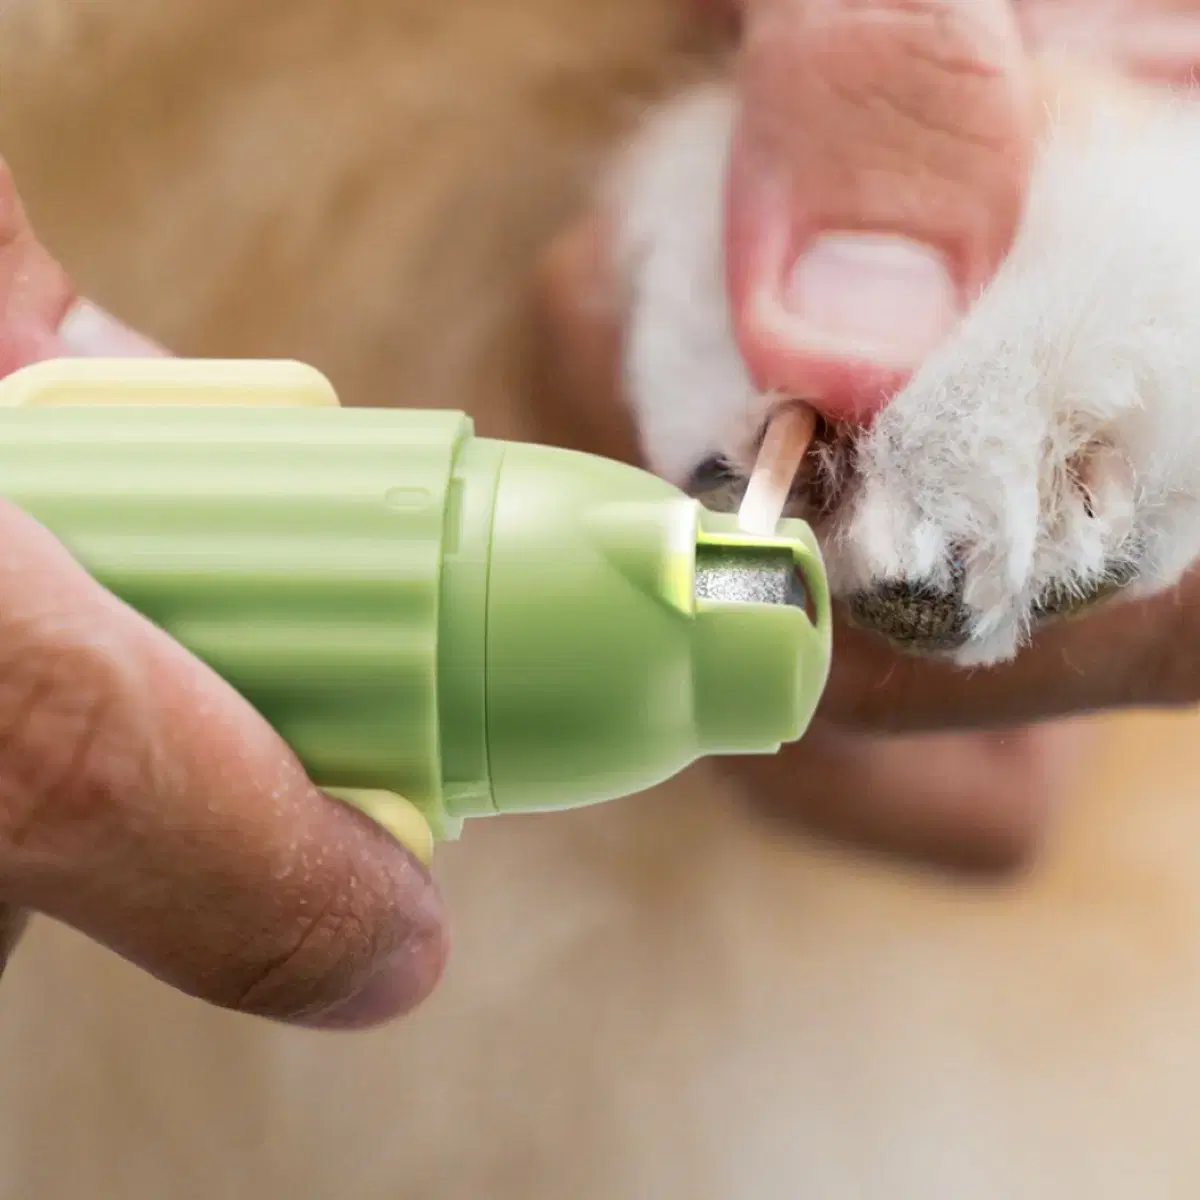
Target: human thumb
879 163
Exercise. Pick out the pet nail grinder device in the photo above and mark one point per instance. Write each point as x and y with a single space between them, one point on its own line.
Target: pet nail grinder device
477 625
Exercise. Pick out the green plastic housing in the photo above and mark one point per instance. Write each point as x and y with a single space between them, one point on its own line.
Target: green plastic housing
481 626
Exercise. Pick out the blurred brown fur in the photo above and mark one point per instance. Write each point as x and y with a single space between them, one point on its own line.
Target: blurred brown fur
662 998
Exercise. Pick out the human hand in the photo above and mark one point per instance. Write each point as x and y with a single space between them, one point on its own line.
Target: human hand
915 123
145 803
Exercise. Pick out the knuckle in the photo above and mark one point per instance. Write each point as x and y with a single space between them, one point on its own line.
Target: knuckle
930 81
907 111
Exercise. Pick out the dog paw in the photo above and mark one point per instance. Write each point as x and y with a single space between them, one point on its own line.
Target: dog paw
1045 457
967 532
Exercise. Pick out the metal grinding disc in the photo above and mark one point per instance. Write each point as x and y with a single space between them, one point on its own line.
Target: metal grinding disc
749 576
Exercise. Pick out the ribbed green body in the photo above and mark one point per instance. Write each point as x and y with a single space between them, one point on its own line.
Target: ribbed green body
480 626
296 551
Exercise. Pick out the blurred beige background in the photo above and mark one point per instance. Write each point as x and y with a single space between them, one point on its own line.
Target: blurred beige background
659 999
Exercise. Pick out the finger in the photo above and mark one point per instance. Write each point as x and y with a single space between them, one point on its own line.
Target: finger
145 803
35 292
87 331
875 182
401 818
1128 654
978 803
42 315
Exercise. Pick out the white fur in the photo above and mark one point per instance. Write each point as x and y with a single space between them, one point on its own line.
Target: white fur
1076 371
690 392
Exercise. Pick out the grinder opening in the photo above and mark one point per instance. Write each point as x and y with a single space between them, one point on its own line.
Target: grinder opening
751 575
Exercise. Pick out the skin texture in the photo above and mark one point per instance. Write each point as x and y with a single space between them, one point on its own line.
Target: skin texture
144 802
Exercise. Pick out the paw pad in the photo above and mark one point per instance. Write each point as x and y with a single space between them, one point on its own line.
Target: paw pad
914 616
1059 601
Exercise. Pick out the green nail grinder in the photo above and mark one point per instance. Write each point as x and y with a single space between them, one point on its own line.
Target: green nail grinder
480 626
